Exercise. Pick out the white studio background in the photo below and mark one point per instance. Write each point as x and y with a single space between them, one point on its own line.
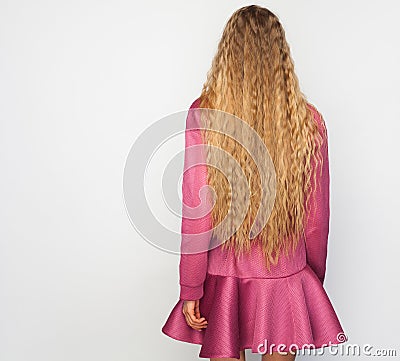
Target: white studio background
80 80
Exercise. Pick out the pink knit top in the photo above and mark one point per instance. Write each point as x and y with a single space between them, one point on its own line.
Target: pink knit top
196 230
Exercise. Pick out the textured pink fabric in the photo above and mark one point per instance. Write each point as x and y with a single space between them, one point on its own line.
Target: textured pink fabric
245 304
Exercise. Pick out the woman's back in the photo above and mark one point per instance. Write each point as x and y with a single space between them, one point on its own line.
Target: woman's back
222 261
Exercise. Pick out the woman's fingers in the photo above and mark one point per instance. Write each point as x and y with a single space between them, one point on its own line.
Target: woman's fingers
191 312
191 323
199 321
189 320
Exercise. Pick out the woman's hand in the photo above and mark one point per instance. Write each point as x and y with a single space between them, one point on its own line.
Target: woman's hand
191 312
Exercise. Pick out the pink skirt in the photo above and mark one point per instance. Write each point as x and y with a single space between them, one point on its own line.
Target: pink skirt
261 314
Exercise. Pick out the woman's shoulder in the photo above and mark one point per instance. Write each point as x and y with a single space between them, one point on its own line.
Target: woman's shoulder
195 103
193 117
315 111
319 119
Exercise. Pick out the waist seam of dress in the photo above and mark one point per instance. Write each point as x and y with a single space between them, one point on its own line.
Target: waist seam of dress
253 277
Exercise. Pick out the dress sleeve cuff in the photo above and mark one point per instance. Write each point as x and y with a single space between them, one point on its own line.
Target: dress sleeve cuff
191 293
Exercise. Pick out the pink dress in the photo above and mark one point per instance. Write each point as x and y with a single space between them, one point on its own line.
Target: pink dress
247 306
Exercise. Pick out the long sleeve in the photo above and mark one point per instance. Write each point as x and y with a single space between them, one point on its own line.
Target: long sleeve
196 219
317 227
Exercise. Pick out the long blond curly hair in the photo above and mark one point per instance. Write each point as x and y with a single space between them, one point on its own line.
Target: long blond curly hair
252 77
